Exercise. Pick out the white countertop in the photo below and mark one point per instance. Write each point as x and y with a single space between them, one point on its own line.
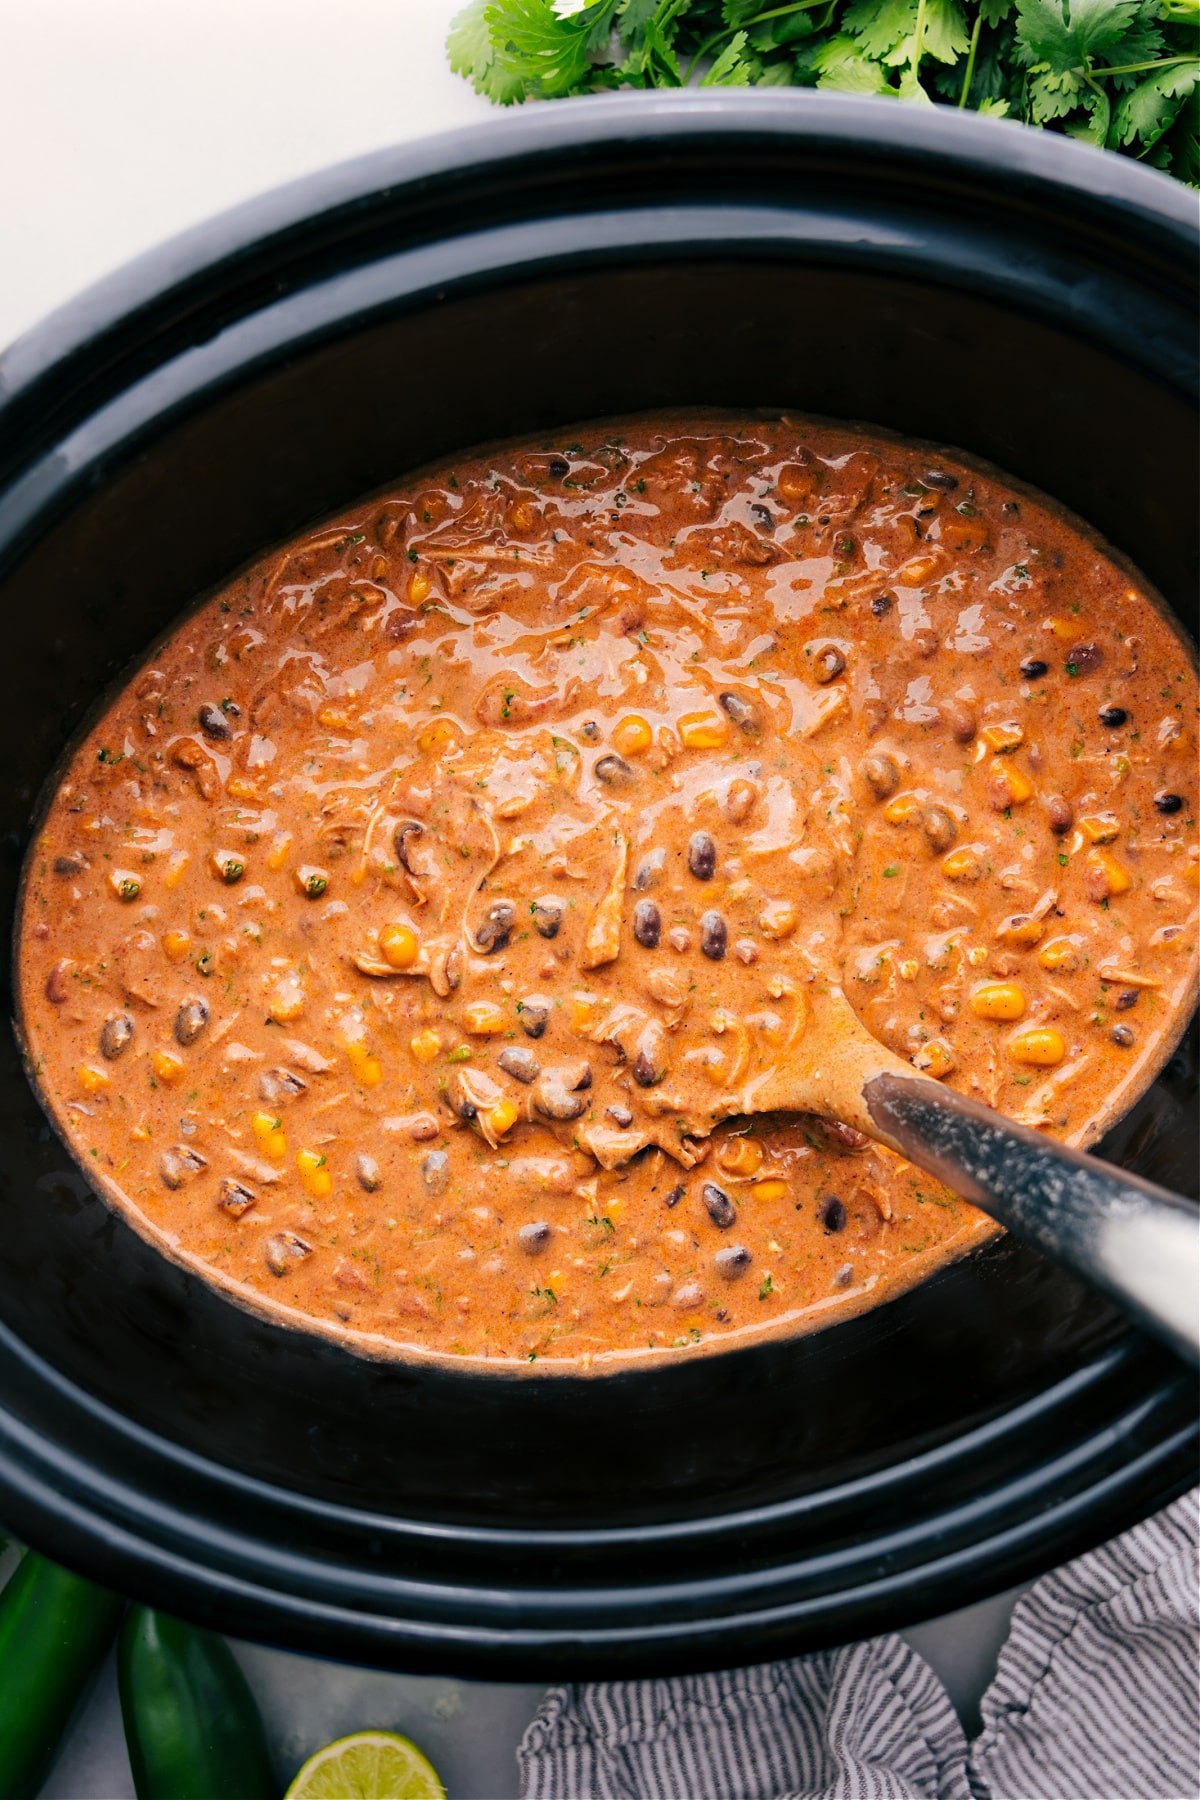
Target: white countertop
122 124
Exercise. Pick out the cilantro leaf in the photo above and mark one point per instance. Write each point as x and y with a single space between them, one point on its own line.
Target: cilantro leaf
732 68
1066 34
1149 110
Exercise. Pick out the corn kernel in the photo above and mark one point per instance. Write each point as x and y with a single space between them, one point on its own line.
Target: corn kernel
917 570
902 809
632 735
238 788
935 1059
286 1002
772 1188
909 969
740 1156
176 864
91 1080
226 866
335 718
1100 828
176 945
998 1000
1104 875
1061 955
166 1067
426 1045
1002 738
419 587
270 1135
1007 786
1062 628
310 881
124 885
483 1018
583 1011
703 730
439 734
1041 1047
778 919
797 481
962 864
399 946
281 843
140 1132
502 1116
977 955
314 1174
1021 930
368 1070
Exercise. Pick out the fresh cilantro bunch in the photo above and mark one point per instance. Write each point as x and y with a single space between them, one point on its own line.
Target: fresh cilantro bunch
1121 73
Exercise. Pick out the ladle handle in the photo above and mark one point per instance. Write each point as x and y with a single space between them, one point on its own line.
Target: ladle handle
1134 1241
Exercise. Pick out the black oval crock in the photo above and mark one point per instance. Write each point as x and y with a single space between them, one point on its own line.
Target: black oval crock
949 277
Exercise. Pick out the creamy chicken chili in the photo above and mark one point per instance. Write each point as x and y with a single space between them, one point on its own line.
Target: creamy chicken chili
382 927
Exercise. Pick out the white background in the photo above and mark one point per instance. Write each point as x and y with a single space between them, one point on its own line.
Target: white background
123 122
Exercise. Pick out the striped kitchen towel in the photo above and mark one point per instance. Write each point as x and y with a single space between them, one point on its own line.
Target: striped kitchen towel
1096 1697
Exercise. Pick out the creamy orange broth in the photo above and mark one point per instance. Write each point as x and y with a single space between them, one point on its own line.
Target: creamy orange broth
381 927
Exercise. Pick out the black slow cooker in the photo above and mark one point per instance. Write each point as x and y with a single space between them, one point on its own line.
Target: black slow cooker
954 278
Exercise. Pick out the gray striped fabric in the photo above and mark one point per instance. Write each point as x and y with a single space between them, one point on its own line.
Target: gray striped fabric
1096 1697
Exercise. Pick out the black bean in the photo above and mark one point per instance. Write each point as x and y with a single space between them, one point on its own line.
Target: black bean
702 856
620 1115
234 1197
613 770
940 479
1084 659
844 1276
832 1214
116 1036
407 828
282 1248
1113 717
714 938
881 773
533 1239
279 1084
590 730
1168 803
763 517
496 929
733 1261
557 1095
190 1021
176 1165
649 870
1125 999
214 724
647 924
676 1194
828 663
534 1015
74 864
744 715
547 915
1033 668
435 1172
520 1063
718 1205
882 604
558 466
1060 815
367 1171
940 827
1123 1035
645 1071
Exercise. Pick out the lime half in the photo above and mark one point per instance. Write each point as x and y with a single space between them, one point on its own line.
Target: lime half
369 1765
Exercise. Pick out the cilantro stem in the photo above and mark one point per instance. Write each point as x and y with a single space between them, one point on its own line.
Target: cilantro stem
918 40
719 37
1163 62
969 75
